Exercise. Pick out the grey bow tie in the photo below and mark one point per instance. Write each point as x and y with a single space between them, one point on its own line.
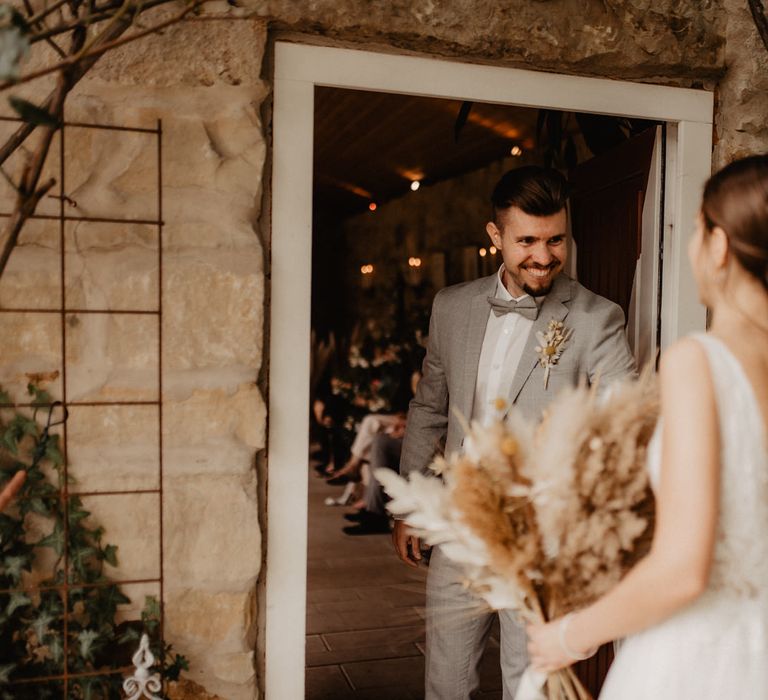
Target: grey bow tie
527 307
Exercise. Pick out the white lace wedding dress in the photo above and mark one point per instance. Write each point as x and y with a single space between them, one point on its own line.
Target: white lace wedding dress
716 648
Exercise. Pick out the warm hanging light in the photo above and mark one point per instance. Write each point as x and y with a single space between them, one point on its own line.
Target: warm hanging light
415 184
492 250
516 151
366 269
372 206
414 262
483 252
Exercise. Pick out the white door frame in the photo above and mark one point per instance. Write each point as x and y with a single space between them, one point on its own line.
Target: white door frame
298 69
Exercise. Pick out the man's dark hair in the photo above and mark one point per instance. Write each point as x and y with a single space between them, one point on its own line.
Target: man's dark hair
537 191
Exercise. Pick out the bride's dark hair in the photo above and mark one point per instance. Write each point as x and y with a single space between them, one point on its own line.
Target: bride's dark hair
736 200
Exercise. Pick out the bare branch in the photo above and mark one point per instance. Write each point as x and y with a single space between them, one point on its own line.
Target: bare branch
101 47
40 16
18 220
761 21
100 14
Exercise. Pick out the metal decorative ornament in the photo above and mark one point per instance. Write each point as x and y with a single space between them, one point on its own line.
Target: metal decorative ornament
142 684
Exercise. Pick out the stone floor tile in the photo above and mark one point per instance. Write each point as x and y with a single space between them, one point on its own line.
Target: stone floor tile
403 594
394 693
370 638
324 657
315 644
364 614
408 672
327 683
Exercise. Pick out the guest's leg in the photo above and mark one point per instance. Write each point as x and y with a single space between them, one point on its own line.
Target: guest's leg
514 652
385 453
458 625
369 428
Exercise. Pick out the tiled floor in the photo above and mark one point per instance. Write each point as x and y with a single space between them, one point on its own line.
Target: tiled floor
365 614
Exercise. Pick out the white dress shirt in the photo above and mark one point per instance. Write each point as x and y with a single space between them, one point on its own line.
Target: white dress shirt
503 344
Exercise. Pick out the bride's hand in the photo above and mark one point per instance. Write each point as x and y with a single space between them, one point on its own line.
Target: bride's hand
548 648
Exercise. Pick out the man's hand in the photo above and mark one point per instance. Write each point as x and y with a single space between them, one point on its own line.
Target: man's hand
11 489
402 538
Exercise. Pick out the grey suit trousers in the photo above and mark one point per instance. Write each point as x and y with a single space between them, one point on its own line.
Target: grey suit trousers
458 626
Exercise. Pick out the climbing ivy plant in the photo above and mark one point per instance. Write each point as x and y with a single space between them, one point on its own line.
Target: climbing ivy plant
33 540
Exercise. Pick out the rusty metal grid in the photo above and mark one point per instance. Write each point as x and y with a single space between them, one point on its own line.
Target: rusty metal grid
63 312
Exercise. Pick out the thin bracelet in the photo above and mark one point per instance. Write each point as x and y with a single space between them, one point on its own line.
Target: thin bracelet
562 628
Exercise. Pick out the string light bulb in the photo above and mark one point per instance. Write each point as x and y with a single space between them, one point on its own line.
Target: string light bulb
482 252
516 151
367 269
372 206
415 184
414 262
492 250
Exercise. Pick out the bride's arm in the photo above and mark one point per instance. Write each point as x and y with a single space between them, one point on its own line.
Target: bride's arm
676 570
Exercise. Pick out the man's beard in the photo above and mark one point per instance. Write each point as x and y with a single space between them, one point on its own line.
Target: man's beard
543 291
540 292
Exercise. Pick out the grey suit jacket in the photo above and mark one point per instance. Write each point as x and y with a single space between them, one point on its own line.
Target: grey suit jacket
597 347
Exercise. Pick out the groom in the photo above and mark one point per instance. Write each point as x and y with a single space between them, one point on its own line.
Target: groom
483 347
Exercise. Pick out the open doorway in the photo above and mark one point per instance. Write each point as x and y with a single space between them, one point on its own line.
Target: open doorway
401 196
299 70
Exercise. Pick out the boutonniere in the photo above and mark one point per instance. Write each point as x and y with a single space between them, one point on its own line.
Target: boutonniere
551 346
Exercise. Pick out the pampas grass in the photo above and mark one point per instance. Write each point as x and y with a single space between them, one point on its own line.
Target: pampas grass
544 518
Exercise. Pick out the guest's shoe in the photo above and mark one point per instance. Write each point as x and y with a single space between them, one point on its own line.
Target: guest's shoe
356 517
345 499
372 525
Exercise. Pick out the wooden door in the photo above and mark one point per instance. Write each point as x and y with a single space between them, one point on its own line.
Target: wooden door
615 215
608 194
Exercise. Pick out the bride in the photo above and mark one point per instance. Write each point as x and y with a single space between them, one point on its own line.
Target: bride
695 610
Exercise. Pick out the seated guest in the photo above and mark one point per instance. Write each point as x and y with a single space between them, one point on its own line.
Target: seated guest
385 450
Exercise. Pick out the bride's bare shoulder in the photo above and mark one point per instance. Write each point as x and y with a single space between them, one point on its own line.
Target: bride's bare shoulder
684 366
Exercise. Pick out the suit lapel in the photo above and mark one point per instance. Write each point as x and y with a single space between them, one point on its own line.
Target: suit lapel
478 319
553 307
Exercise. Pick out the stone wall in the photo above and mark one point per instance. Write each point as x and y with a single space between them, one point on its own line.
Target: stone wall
203 80
741 126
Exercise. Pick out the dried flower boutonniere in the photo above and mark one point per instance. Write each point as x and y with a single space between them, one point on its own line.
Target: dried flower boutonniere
551 346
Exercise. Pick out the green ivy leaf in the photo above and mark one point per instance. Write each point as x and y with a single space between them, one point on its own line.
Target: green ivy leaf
173 671
87 640
38 505
56 648
40 624
53 451
39 396
55 539
110 554
13 566
9 441
130 635
79 557
151 608
18 600
76 512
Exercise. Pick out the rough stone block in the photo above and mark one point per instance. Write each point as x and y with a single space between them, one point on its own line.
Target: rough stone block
94 251
32 278
112 357
213 319
212 535
113 448
132 522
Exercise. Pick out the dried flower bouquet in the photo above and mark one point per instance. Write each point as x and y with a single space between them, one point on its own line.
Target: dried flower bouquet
544 518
